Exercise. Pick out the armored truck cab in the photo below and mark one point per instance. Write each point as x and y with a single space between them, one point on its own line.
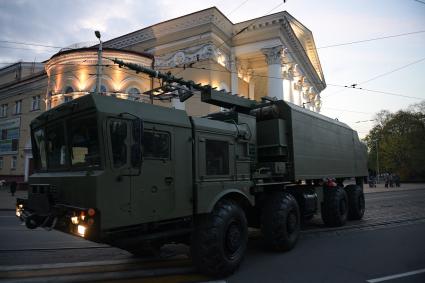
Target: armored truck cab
136 175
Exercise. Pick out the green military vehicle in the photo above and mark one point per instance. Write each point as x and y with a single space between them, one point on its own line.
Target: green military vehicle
137 176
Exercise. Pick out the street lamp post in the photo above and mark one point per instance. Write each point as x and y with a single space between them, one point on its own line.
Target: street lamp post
99 64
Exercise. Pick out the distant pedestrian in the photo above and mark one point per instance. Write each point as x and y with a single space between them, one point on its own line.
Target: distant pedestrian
391 180
387 179
397 180
13 188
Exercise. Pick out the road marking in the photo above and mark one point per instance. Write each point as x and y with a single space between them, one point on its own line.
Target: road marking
395 276
102 276
66 265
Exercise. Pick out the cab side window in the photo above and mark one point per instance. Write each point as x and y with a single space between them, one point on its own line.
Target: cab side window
156 145
217 157
118 132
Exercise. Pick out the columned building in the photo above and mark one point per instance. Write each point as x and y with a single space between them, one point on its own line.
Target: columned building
272 56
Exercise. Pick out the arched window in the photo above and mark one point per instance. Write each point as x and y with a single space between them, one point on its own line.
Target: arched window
133 93
69 89
103 89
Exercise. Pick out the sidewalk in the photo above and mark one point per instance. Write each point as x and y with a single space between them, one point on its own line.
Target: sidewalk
403 187
7 202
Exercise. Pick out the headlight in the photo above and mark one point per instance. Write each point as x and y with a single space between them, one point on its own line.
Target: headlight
81 230
74 220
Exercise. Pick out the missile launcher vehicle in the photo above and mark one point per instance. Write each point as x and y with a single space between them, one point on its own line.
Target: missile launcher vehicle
138 176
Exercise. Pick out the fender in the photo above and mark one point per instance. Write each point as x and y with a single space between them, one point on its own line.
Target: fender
235 193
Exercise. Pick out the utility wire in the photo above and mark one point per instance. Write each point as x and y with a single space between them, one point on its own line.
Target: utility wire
379 76
377 91
240 5
346 110
370 39
30 44
335 85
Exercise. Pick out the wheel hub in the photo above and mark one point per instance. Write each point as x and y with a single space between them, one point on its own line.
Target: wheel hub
233 238
342 207
291 222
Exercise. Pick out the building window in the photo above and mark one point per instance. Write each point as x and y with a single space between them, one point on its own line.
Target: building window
13 163
69 89
1 162
103 89
35 102
217 157
133 93
3 110
18 106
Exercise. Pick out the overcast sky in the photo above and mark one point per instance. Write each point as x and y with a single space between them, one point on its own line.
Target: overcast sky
63 23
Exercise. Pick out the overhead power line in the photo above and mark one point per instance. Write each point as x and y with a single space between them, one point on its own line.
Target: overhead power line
379 76
335 85
30 44
240 5
376 91
370 39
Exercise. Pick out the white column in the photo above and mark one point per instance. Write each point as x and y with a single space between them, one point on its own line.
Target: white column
251 89
311 99
288 84
275 80
299 93
251 84
234 74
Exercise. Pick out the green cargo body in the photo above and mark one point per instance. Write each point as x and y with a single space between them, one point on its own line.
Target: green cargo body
313 146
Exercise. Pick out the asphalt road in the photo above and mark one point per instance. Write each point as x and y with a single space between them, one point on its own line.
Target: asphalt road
389 241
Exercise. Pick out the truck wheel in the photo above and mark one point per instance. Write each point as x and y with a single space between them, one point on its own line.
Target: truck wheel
219 239
335 207
280 222
356 202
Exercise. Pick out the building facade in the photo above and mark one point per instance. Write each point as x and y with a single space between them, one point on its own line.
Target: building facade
22 97
273 56
73 73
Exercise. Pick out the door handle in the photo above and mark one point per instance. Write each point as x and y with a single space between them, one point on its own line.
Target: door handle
168 180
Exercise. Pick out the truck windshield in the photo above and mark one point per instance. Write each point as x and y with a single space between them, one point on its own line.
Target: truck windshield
72 143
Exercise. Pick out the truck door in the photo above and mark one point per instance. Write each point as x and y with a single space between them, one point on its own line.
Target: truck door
153 196
117 183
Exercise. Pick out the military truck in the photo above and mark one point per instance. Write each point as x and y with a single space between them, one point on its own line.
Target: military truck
137 176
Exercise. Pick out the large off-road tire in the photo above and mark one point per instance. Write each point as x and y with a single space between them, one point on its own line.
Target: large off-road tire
280 221
335 207
356 202
219 239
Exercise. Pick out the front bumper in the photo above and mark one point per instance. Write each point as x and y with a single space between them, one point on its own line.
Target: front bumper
83 222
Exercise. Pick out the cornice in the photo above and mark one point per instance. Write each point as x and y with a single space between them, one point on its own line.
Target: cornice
191 55
209 16
298 52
